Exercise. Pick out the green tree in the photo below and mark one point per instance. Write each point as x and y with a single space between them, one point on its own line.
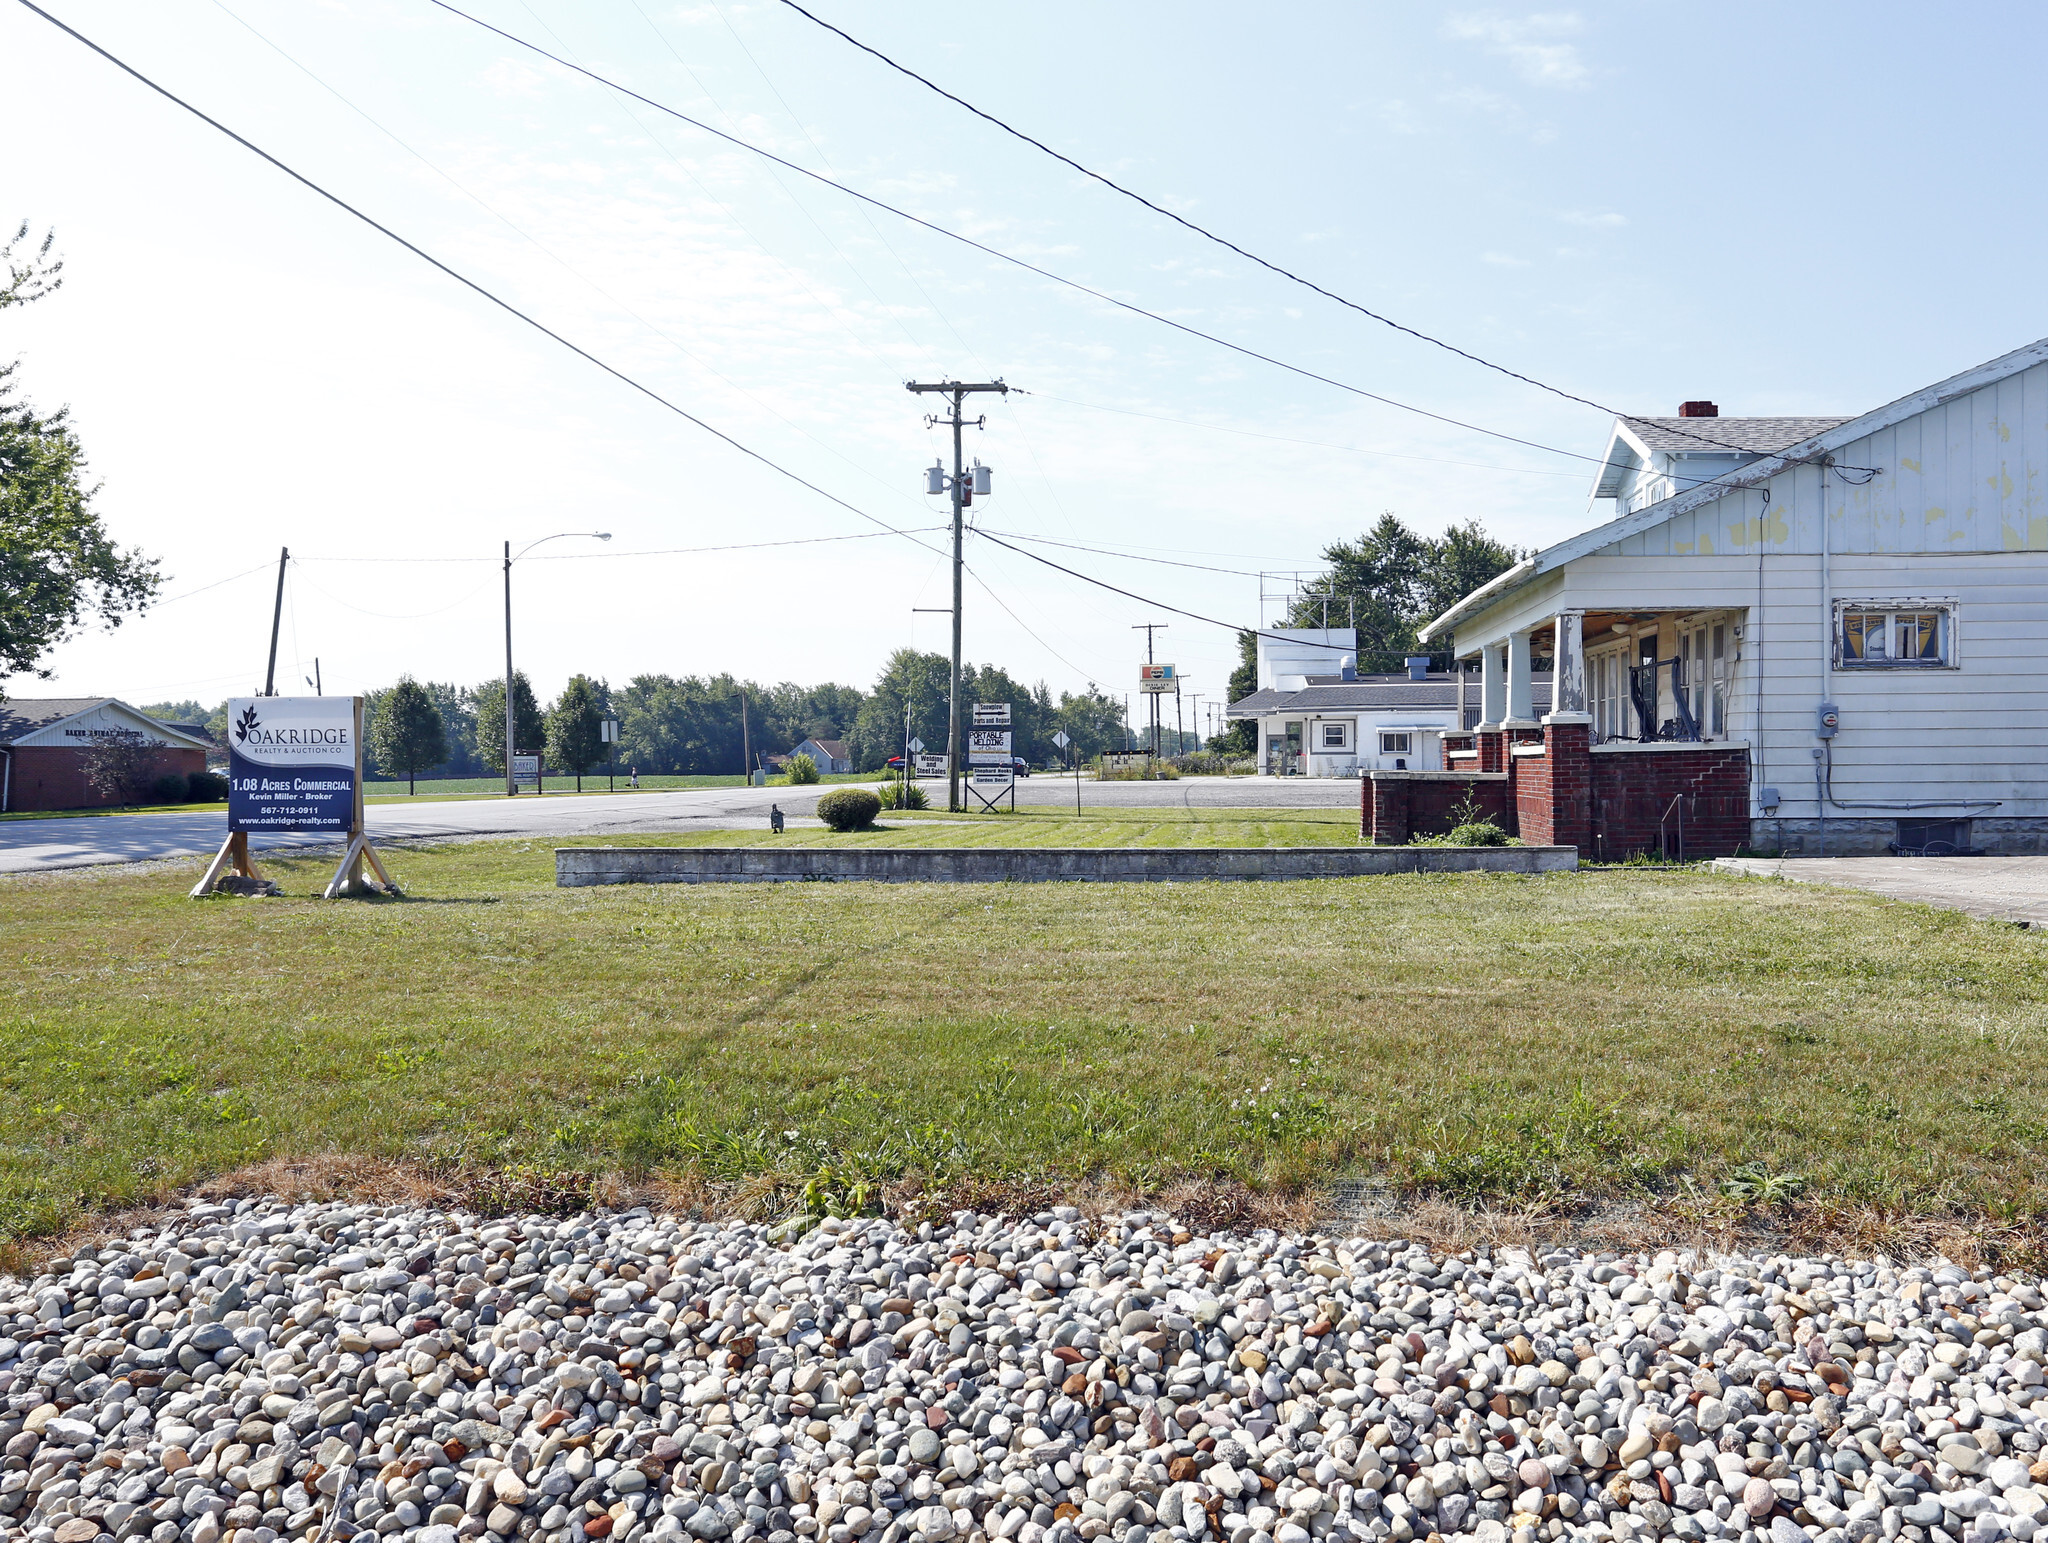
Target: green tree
57 562
575 733
1392 580
407 732
1240 736
528 730
919 681
1093 721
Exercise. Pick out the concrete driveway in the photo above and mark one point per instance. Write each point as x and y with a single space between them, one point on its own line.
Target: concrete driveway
2013 889
27 846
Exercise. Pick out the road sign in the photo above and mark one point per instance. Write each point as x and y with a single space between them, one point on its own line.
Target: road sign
1157 679
608 731
988 747
916 745
1061 739
991 715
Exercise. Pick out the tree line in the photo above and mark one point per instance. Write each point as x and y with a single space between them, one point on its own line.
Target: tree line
699 725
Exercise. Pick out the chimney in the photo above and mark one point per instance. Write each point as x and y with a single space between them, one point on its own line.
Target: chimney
1698 410
1418 666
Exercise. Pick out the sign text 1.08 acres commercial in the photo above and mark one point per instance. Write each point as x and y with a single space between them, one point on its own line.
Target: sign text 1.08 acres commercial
293 763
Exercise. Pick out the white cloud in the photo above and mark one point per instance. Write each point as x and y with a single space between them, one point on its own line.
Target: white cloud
1608 220
1398 118
1503 260
1533 44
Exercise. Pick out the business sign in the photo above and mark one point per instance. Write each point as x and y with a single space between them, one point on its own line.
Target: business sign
931 765
525 768
991 715
1124 760
294 763
996 776
1157 678
986 747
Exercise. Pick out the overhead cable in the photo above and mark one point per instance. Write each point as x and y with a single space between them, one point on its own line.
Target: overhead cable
1002 256
462 279
1251 257
1161 604
667 551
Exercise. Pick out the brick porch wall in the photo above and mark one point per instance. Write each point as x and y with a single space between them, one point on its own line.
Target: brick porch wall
1395 806
1632 789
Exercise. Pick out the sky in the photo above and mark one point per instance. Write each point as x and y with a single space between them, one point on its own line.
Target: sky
1795 210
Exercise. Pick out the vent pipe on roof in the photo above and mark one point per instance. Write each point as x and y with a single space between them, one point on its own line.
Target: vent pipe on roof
1347 667
1418 666
1698 410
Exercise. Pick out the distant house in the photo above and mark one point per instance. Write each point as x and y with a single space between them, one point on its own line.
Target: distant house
1316 716
44 742
830 754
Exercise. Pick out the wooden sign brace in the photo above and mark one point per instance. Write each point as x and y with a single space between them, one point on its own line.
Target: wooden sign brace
233 852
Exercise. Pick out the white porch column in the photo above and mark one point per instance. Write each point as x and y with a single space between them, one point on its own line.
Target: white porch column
1493 701
1568 689
1521 694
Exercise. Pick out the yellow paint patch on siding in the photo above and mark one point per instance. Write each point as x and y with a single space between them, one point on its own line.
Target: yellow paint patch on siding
1936 512
2011 539
2003 482
1908 463
1682 548
1706 545
2037 533
2005 432
1772 528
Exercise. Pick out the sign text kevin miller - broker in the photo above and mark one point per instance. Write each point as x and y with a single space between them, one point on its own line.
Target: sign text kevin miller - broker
293 763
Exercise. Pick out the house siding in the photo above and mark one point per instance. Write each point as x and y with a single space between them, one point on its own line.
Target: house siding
1957 512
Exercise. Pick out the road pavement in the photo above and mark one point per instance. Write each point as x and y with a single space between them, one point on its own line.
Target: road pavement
31 845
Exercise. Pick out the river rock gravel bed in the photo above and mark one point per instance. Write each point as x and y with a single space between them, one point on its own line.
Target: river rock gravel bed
246 1373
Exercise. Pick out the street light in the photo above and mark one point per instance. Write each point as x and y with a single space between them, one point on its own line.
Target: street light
511 787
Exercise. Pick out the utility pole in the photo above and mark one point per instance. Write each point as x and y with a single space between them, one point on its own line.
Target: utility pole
1148 628
511 784
746 742
958 391
284 555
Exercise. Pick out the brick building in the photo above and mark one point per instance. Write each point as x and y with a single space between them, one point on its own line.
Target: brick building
44 742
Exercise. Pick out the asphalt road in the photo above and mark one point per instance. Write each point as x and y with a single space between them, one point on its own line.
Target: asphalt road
30 845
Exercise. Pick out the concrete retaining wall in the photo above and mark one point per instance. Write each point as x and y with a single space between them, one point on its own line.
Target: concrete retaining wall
578 866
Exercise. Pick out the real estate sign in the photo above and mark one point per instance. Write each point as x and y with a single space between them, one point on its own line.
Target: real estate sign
294 763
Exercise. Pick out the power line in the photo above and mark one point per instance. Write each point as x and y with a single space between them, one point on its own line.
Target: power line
1167 562
1252 257
1161 604
468 283
1002 256
670 551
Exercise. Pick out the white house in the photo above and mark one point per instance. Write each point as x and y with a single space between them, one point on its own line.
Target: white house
1852 611
1316 716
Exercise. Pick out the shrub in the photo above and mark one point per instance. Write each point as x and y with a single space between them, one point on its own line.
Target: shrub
902 795
205 787
1478 833
849 809
801 771
170 788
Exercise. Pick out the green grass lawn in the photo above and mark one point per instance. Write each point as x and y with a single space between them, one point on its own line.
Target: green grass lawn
1054 827
1490 1038
387 790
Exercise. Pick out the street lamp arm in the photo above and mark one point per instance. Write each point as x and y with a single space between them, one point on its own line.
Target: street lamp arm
511 782
599 535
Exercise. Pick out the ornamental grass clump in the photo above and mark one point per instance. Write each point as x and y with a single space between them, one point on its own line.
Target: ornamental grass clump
849 809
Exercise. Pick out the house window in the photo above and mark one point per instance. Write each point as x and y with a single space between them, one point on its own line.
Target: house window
1397 744
1333 736
1871 637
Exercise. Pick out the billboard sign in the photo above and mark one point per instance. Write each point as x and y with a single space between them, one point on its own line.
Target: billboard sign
525 770
1158 679
294 763
988 747
991 715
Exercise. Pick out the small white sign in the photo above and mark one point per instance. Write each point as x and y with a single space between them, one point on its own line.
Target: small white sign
997 776
916 745
987 746
608 731
1061 739
931 765
991 715
525 768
